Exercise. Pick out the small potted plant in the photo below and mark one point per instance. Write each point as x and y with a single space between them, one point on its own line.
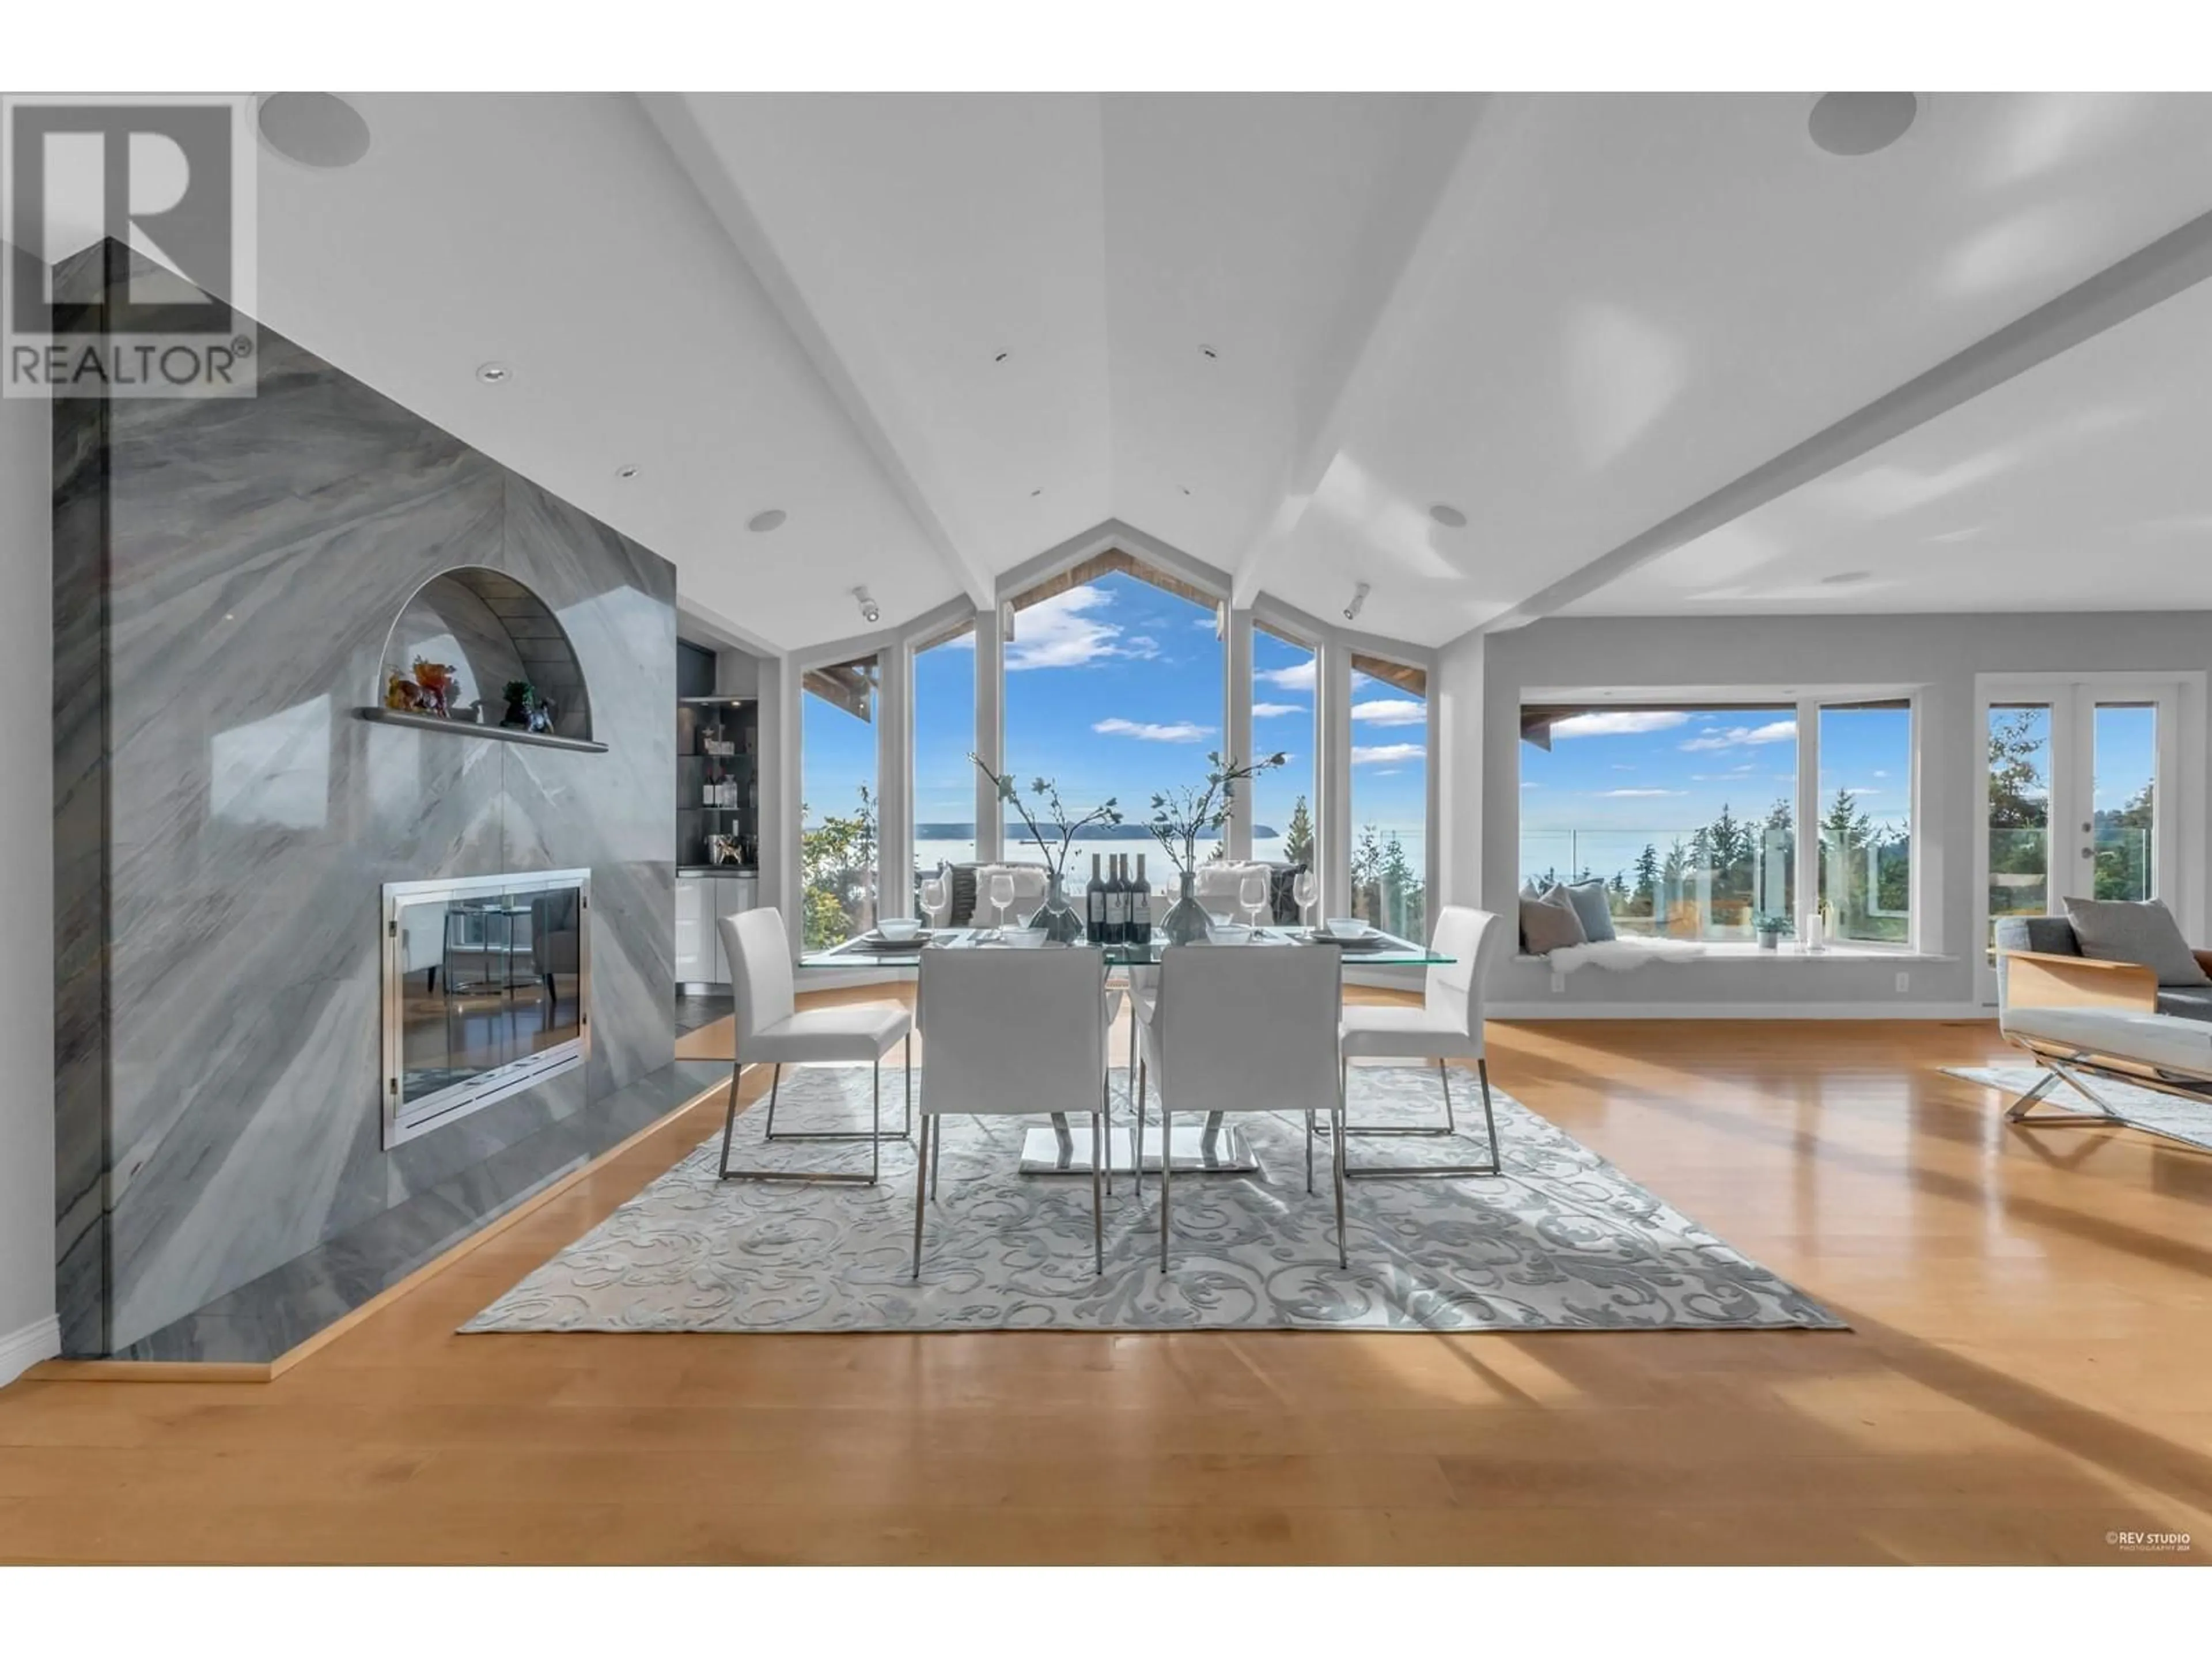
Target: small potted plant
1061 922
1180 817
1769 926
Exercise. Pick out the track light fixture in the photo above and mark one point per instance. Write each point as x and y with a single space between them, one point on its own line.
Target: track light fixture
1358 599
870 612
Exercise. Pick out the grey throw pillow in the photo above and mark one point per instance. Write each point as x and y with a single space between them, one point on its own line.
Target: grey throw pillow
1549 922
1589 902
2116 930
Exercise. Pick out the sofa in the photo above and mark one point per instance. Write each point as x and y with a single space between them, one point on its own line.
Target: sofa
2083 1017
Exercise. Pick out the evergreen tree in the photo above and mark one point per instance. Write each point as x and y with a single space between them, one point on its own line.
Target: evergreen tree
1647 879
1298 841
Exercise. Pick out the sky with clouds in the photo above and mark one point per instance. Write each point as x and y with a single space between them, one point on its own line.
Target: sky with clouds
1113 689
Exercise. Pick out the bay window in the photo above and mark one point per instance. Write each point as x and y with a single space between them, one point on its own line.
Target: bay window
1286 802
1389 798
837 800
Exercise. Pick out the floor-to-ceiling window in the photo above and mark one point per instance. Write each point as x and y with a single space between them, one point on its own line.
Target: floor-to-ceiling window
1286 803
1391 795
1114 687
944 794
838 795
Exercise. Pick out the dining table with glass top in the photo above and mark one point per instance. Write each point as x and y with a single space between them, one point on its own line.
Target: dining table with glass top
1212 1146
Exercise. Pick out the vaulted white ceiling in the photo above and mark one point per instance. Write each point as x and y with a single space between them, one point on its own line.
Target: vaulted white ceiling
945 332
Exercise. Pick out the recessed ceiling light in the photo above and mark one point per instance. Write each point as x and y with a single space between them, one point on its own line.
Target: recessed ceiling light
493 374
1449 516
315 129
1861 123
1039 491
1209 351
628 470
1001 357
761 523
1184 488
1846 577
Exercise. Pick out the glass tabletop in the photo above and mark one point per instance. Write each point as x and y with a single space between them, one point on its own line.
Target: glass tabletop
865 951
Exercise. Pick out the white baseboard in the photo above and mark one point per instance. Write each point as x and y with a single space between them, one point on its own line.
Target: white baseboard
1564 1009
20 1350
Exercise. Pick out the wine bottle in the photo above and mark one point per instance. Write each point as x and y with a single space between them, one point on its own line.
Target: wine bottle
1117 905
1094 905
1140 907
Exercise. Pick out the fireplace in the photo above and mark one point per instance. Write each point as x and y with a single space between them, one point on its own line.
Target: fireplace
487 980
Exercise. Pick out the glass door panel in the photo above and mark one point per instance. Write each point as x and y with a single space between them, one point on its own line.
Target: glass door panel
2122 848
2017 812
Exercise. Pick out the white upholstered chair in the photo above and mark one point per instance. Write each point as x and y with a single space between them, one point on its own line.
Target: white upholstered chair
1248 1030
772 1030
1219 887
1447 1026
1013 1034
1030 881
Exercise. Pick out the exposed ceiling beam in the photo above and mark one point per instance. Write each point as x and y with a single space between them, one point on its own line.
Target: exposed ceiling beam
1434 213
2177 261
672 114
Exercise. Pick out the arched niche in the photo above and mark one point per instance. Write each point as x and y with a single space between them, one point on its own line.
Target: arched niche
492 629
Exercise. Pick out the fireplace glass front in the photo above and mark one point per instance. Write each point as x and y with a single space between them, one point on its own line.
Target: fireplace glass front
486 982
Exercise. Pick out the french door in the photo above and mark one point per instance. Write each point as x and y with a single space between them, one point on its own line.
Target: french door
2079 799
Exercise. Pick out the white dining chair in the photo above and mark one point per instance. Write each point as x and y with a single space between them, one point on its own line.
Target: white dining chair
772 1030
1245 1030
1013 1034
1447 1026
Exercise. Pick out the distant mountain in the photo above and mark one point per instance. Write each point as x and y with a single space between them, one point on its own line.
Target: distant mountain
1018 833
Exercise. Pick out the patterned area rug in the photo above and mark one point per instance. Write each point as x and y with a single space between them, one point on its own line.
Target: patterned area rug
1562 1242
2139 1108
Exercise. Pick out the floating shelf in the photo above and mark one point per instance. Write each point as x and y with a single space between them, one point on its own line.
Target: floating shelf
473 729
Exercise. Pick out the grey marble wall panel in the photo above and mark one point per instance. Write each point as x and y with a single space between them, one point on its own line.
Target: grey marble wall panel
253 557
81 887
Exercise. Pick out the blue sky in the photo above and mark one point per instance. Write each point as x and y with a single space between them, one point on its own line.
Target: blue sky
1113 689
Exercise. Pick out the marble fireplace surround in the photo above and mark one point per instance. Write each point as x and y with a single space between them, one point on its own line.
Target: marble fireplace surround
227 573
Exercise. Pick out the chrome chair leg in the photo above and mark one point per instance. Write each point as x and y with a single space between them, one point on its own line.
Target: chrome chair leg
1429 1171
730 1120
1105 1148
1139 1177
1343 1252
1167 1177
905 1133
775 1088
1097 1204
826 1177
2019 1109
921 1186
875 1119
1310 1141
936 1147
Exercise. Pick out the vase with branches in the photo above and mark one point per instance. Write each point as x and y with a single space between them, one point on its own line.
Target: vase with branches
1184 815
1059 920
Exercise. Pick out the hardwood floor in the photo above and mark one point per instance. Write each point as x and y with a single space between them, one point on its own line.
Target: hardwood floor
2030 1369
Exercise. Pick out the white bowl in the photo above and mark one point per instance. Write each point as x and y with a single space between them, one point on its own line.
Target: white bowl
1025 939
1233 933
1347 928
898 930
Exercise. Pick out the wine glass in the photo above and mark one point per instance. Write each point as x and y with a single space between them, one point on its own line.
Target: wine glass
1253 890
932 895
1307 890
1002 895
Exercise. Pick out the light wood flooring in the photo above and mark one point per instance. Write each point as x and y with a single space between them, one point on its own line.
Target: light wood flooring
2030 1369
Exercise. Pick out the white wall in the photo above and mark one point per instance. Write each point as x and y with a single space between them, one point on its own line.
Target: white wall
1457 697
26 873
1939 653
